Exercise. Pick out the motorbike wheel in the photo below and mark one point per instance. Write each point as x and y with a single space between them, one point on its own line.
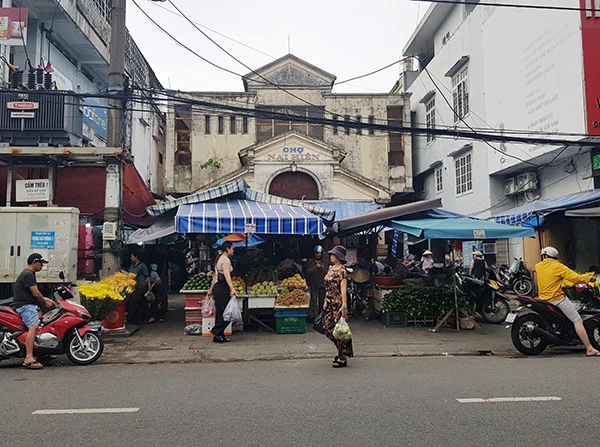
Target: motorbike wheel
88 353
495 311
523 286
593 330
521 335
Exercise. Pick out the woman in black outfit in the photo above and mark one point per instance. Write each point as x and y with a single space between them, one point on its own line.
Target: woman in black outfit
478 266
222 290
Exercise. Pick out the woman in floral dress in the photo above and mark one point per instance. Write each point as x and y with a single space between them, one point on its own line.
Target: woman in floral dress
336 304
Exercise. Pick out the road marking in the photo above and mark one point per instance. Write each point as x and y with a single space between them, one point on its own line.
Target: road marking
479 400
88 411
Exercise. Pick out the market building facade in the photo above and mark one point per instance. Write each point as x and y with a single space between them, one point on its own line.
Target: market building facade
219 137
528 82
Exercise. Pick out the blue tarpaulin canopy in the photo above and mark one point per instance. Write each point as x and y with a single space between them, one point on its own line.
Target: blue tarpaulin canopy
532 214
344 209
231 216
253 241
462 228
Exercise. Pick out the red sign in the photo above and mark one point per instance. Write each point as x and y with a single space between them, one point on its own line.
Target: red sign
23 105
590 34
13 26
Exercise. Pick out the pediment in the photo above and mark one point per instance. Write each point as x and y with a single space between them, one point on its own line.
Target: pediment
289 71
292 146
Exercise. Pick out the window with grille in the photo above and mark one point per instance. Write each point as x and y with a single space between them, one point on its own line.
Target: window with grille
439 180
232 125
359 120
464 175
207 124
220 125
183 133
371 122
335 127
460 94
244 124
346 124
430 117
268 126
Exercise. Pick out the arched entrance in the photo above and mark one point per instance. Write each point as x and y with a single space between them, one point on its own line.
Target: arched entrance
294 185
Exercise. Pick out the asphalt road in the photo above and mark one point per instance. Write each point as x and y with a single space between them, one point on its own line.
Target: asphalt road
374 402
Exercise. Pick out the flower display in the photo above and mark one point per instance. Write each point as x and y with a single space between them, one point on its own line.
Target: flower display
101 298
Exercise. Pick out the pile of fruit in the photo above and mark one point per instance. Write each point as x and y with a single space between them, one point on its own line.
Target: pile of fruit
262 273
264 288
294 298
287 270
342 332
294 282
201 281
239 285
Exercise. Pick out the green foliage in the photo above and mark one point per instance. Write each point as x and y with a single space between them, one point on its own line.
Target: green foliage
423 301
210 163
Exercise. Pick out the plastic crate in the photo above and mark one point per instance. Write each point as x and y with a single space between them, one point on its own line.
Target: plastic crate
291 312
290 325
394 319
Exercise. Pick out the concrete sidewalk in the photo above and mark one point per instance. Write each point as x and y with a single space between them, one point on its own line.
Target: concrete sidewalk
166 343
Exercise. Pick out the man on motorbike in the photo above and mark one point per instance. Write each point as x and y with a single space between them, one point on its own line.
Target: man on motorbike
26 298
550 276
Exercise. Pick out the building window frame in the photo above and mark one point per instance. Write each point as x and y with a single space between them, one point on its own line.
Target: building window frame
183 135
371 122
460 94
347 124
335 119
244 124
463 169
220 125
207 124
439 179
359 120
232 125
430 117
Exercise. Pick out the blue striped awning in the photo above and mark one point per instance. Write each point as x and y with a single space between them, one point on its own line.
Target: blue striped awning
231 216
528 214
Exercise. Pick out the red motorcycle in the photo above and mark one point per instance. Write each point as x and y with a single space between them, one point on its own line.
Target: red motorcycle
62 330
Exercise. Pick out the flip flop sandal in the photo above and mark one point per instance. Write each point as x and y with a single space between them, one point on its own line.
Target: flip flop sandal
597 354
33 365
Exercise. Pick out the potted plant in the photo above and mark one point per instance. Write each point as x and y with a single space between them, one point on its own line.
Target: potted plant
102 298
387 279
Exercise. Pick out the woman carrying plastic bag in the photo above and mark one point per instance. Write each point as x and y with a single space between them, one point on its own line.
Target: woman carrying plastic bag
232 312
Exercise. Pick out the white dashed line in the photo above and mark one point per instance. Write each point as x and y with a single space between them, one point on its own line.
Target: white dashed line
88 411
479 400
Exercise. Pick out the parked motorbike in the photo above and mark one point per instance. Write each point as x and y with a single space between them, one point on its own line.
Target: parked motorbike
62 330
485 295
361 291
516 278
537 324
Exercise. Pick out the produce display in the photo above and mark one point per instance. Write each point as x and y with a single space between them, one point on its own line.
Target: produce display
264 288
286 270
293 298
201 281
239 285
295 281
262 273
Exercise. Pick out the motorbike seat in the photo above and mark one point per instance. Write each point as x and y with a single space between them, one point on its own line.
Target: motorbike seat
9 310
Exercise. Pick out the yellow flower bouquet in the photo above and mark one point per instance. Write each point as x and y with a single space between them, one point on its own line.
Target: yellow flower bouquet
101 298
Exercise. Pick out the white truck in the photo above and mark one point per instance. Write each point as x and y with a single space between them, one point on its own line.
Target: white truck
51 231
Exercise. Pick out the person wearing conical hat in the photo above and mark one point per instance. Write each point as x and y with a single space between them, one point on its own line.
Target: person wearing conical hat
427 261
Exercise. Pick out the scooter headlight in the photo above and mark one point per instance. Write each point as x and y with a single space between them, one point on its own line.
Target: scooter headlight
84 315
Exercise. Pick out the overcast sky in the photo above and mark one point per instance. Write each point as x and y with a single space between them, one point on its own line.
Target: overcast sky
344 37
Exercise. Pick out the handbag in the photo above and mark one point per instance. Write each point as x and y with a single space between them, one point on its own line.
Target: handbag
318 324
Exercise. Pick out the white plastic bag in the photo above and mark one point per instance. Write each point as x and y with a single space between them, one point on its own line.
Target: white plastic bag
341 331
208 308
232 311
193 329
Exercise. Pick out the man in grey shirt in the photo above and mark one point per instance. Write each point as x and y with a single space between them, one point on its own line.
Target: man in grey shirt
26 298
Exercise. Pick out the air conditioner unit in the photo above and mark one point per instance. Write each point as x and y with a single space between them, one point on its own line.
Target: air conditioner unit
510 186
527 182
109 231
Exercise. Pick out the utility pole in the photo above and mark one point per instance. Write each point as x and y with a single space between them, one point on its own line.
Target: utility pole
111 249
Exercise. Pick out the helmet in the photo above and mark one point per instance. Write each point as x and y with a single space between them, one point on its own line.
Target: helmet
319 249
551 252
154 267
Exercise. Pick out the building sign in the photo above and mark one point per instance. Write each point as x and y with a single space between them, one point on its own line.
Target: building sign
590 33
294 154
96 117
42 239
250 228
13 26
33 190
23 105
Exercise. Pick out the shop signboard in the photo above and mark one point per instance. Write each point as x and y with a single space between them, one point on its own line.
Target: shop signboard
95 116
13 26
250 228
33 190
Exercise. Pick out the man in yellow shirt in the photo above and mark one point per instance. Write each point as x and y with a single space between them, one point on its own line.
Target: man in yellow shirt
550 276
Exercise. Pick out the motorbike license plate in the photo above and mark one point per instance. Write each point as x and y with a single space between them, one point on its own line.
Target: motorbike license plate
510 318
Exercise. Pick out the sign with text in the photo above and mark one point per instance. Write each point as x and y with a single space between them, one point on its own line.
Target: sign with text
250 228
42 239
22 114
294 154
95 116
13 26
33 190
23 105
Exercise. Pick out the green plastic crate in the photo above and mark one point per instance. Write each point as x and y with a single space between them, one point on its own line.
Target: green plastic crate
290 325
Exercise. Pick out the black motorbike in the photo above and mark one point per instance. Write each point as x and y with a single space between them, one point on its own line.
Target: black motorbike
361 291
516 278
538 324
485 296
